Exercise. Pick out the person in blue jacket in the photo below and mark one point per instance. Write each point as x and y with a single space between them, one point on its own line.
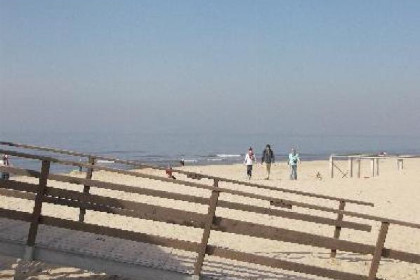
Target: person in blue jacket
293 162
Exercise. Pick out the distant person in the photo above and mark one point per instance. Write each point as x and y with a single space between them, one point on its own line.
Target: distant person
80 167
268 158
168 172
182 162
293 162
249 161
5 162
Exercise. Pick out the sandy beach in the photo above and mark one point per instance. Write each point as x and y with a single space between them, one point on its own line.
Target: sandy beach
394 193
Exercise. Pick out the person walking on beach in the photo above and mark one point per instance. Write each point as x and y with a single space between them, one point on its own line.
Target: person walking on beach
5 162
268 158
293 162
249 160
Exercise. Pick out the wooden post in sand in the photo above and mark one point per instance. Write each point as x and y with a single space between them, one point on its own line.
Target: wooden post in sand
377 166
400 164
206 234
359 163
337 230
36 214
372 166
86 188
378 251
350 161
332 166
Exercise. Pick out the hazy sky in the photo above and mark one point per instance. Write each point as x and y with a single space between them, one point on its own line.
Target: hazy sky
293 67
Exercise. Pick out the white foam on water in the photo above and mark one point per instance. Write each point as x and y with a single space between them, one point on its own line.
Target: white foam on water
105 161
227 156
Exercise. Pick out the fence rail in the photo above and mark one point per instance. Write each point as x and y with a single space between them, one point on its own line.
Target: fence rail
43 192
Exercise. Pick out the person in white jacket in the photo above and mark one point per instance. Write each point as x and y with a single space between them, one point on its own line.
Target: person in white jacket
249 161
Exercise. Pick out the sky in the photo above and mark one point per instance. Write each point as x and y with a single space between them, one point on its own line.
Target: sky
292 67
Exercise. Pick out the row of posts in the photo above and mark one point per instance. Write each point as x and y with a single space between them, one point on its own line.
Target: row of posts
36 214
374 166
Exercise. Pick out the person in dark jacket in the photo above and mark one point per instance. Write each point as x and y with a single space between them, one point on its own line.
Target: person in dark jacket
268 158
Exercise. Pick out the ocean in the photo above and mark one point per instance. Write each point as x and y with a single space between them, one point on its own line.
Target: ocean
203 149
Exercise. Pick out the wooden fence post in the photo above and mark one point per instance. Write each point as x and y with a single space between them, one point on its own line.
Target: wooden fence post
332 166
377 166
86 188
372 166
378 251
350 160
359 165
36 214
206 234
337 230
400 164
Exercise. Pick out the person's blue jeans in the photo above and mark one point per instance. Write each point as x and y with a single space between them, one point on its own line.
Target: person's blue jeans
293 172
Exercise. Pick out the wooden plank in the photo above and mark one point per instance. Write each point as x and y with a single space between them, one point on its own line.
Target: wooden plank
350 162
47 149
276 188
338 228
119 233
206 233
281 264
15 215
17 194
86 187
18 186
286 235
33 229
401 256
129 189
378 251
143 211
20 171
294 215
25 155
116 203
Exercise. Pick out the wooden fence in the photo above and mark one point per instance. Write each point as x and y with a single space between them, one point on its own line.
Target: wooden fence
357 159
42 193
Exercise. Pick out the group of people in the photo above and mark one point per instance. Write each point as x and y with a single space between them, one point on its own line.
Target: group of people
267 158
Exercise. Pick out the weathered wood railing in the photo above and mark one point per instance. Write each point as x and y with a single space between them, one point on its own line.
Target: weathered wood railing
92 158
180 171
43 193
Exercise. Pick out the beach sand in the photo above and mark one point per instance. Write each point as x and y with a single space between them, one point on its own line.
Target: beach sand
396 195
